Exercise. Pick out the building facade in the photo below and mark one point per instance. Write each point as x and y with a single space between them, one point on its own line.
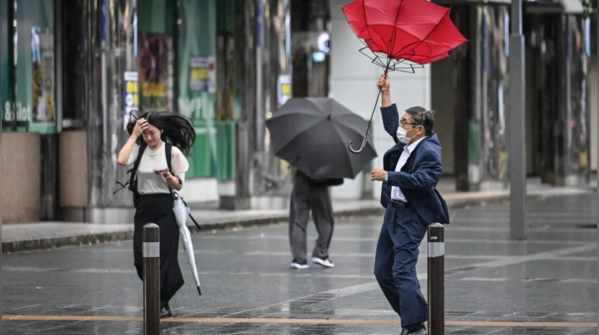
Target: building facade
72 71
473 106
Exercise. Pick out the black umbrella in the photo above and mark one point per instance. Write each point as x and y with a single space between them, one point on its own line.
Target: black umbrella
312 134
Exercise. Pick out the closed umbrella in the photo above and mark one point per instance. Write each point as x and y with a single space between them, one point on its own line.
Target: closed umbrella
181 213
311 134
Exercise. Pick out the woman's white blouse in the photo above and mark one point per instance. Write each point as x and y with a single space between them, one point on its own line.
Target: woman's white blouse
147 181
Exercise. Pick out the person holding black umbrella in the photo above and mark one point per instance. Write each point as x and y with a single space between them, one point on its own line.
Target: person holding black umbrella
412 169
311 195
312 135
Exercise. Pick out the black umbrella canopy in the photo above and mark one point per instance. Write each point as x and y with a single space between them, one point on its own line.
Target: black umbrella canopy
312 134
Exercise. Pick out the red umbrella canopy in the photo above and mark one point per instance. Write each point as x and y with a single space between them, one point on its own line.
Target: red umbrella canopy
417 31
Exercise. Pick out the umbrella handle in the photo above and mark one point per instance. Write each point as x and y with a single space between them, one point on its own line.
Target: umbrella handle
365 141
354 151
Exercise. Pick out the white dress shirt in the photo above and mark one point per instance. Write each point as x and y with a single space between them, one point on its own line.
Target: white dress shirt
396 193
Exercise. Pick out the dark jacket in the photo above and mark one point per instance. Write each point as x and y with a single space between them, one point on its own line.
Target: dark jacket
325 182
419 176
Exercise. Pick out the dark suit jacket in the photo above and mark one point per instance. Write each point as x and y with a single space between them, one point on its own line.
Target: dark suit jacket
419 176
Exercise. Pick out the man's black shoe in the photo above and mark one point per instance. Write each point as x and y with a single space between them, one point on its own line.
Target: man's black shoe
422 331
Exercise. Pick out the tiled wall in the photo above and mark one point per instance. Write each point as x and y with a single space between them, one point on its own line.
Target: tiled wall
21 177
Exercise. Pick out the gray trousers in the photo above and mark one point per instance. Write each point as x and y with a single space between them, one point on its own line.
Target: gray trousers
306 198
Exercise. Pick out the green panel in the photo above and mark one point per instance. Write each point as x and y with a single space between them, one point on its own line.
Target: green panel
226 15
214 151
5 96
201 110
17 130
203 162
226 150
474 142
43 128
156 16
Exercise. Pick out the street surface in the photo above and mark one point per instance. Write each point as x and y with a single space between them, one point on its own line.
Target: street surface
547 285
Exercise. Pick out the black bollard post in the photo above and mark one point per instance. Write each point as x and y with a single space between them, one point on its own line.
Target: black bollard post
151 252
436 279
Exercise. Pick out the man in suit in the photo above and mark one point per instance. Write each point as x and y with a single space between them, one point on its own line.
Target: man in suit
410 174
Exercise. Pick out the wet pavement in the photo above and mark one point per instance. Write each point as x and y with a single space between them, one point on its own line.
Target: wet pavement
547 285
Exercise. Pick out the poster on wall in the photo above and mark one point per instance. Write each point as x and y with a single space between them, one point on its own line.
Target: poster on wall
284 88
131 95
42 49
156 72
202 74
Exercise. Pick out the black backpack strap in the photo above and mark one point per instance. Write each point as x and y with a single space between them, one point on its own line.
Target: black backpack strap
169 157
133 171
168 151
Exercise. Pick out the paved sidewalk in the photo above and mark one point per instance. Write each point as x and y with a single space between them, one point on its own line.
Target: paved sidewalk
546 285
47 235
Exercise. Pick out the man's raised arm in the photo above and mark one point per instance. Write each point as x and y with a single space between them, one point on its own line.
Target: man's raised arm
388 108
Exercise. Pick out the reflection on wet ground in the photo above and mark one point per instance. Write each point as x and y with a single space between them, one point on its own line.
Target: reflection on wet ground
547 285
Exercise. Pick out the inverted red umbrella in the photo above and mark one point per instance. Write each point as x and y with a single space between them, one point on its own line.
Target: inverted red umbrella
402 35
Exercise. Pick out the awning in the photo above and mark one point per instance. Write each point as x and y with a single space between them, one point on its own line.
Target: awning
544 6
573 7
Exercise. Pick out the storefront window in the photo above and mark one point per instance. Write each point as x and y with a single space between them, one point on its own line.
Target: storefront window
494 36
214 149
577 141
29 89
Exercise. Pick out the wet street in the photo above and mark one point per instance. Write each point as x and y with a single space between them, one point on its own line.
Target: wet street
547 285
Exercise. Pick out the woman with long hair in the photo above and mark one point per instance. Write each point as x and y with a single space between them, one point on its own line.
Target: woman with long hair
154 182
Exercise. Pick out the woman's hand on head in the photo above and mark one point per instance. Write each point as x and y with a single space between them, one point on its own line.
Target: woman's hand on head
140 126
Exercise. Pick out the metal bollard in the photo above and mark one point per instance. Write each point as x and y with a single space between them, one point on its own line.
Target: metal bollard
151 252
436 279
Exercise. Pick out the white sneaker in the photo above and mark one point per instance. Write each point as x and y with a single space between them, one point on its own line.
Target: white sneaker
298 266
323 262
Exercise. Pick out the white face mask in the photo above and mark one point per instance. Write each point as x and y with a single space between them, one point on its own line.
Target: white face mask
402 135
